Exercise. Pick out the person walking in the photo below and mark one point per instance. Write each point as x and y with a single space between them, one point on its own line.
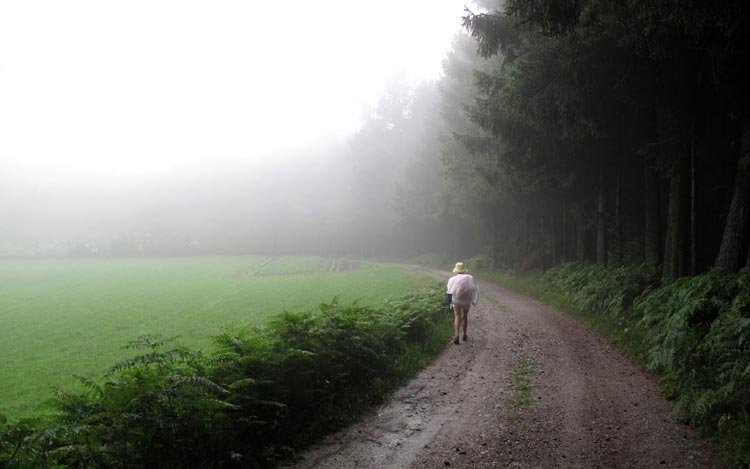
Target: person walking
464 293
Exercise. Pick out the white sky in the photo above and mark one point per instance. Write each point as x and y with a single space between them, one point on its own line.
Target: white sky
117 88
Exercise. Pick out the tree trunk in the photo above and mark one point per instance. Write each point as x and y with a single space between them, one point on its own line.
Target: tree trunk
735 240
543 244
564 250
652 238
601 224
674 248
618 221
554 241
498 239
693 246
527 239
580 240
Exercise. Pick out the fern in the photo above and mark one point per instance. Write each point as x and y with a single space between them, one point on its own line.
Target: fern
600 290
697 337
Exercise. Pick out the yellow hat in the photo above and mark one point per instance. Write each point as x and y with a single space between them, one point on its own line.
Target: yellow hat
459 268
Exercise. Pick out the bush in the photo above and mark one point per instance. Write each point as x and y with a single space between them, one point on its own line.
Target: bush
600 290
699 339
264 393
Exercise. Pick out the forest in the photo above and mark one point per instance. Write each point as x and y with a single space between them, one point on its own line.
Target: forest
608 132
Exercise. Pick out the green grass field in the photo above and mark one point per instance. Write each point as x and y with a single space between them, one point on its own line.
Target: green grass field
62 317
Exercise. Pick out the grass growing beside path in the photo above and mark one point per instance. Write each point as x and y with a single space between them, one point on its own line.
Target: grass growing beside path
521 386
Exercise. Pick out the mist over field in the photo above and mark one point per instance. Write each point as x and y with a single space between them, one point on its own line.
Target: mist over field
343 197
212 131
200 208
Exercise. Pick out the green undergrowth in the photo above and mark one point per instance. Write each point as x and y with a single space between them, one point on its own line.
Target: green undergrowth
693 332
699 340
261 395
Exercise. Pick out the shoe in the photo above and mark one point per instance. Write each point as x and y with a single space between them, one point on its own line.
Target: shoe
455 340
466 337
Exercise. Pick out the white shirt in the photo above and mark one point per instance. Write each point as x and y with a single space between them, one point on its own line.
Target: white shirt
464 290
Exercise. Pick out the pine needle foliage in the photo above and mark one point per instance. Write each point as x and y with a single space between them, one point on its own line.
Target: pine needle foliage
263 393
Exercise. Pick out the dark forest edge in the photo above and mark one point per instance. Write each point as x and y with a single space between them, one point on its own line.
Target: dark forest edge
260 396
587 131
693 332
615 135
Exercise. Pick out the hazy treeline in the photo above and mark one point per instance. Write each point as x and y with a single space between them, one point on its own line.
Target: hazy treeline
294 203
206 209
368 195
330 198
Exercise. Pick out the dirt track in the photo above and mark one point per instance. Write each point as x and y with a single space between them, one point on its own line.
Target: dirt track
591 406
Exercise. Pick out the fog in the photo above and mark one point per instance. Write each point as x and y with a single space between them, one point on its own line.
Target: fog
172 128
199 208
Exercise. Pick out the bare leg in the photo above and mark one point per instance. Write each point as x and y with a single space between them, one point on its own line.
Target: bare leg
456 321
465 320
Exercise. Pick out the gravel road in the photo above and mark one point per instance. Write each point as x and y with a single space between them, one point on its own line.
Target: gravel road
531 388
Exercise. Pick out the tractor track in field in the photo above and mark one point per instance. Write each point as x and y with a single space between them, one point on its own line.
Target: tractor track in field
532 388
